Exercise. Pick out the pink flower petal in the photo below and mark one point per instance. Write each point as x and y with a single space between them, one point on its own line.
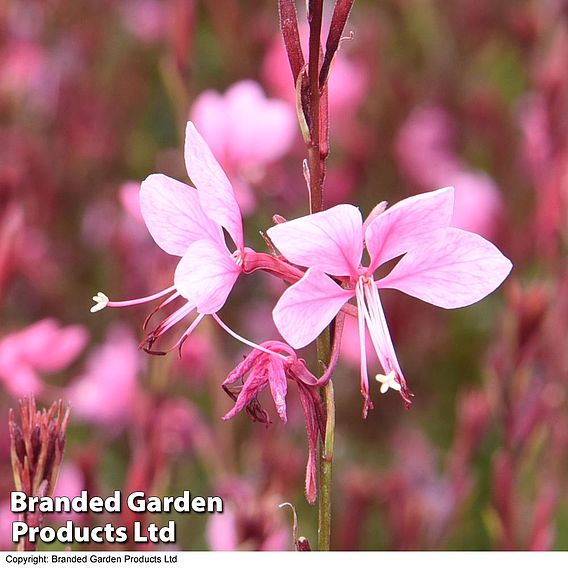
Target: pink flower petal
331 240
255 383
129 196
222 531
209 115
404 225
22 381
308 306
278 386
113 367
452 269
214 189
173 214
206 275
259 130
48 346
70 342
478 203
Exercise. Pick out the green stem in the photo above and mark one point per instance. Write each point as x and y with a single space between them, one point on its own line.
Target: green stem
326 449
326 461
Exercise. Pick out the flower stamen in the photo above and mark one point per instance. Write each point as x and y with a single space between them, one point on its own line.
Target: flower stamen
246 341
388 381
102 301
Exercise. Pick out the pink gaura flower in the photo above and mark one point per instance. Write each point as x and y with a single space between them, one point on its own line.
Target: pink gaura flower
188 222
246 131
111 368
442 265
43 347
426 153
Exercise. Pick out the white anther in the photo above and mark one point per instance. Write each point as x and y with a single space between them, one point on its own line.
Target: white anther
101 302
388 382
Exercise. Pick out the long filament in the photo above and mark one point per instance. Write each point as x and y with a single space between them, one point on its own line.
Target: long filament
141 300
246 341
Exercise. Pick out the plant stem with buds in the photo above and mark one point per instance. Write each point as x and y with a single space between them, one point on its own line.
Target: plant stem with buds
316 166
310 81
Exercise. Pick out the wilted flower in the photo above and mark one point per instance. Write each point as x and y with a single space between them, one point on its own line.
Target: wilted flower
273 367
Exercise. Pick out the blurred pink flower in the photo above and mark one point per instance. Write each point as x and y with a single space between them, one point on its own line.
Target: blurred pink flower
32 73
129 195
537 147
198 359
348 81
43 347
145 19
424 148
545 156
221 532
6 520
23 69
246 131
105 393
181 427
444 266
70 483
478 202
426 155
248 522
225 533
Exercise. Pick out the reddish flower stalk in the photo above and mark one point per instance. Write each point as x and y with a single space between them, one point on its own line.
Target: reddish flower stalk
37 447
313 100
316 153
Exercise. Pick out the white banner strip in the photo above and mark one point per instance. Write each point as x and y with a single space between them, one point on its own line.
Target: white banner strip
281 559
